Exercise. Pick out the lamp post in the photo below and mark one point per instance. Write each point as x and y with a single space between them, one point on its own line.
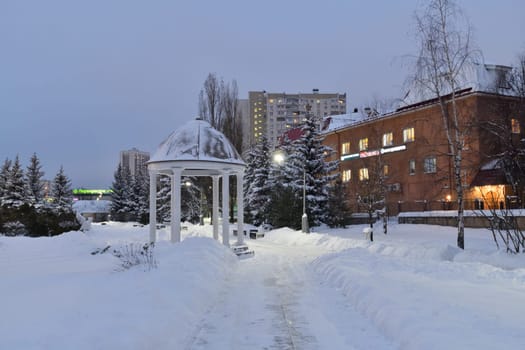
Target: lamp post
279 158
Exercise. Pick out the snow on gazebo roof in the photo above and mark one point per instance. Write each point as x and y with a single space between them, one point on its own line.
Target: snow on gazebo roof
197 140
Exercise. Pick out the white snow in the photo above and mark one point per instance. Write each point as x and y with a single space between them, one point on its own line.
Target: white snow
410 289
92 206
196 140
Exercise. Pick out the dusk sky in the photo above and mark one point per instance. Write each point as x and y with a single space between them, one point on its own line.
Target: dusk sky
82 80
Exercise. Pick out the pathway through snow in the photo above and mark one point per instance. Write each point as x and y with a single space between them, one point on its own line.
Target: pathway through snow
273 301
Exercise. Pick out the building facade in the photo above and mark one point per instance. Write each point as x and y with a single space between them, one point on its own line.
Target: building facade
404 159
134 160
272 114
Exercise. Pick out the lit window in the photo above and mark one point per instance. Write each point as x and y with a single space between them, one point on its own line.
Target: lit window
363 144
363 174
411 166
345 148
347 175
270 100
430 165
515 126
388 139
408 135
385 170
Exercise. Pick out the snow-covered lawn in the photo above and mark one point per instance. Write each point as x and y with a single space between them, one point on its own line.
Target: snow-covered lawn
411 289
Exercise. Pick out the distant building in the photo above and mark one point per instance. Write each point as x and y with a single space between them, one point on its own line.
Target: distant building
272 114
134 160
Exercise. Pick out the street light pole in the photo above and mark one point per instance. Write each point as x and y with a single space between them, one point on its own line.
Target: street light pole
304 219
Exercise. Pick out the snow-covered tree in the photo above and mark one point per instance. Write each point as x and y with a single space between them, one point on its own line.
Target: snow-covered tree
190 200
337 208
35 186
141 196
121 206
310 170
15 193
4 177
164 199
61 192
256 183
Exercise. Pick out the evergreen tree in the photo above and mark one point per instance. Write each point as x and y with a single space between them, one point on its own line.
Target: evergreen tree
258 189
190 200
4 178
15 193
35 185
121 198
248 180
141 195
337 207
164 199
61 192
307 167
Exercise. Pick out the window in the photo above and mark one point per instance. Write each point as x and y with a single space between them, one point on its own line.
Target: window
430 165
363 144
385 170
345 148
388 139
363 174
408 135
515 126
411 166
347 175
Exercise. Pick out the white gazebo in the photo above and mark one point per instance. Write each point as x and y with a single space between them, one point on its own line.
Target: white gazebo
197 149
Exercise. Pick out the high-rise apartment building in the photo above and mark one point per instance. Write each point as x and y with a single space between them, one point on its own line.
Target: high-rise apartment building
134 160
272 114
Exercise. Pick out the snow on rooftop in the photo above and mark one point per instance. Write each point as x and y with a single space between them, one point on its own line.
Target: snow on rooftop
336 122
197 140
476 77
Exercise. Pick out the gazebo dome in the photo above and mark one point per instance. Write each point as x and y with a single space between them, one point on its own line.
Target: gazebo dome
197 140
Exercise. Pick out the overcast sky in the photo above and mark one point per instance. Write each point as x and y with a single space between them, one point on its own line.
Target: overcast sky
82 80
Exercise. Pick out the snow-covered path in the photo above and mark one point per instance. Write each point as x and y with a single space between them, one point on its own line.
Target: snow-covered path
273 301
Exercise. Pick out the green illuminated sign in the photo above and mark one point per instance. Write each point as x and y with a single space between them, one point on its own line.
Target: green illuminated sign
84 191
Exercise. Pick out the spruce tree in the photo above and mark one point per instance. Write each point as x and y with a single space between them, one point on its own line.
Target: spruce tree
258 190
164 199
141 196
121 198
337 207
4 178
61 192
15 193
248 180
307 167
35 185
190 200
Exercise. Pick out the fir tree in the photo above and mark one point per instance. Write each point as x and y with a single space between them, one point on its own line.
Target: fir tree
61 192
15 193
308 168
141 195
258 192
337 207
35 185
164 199
4 178
121 198
190 200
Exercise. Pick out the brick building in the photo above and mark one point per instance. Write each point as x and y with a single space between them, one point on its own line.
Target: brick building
406 154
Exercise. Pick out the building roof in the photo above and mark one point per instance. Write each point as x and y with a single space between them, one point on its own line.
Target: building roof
341 121
197 140
475 77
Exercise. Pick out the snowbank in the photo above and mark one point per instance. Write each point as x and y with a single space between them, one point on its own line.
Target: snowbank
57 295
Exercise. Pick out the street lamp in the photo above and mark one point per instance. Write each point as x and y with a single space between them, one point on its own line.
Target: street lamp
279 157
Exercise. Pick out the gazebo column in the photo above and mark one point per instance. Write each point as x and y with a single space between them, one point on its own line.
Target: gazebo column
240 209
215 210
226 208
175 204
152 206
